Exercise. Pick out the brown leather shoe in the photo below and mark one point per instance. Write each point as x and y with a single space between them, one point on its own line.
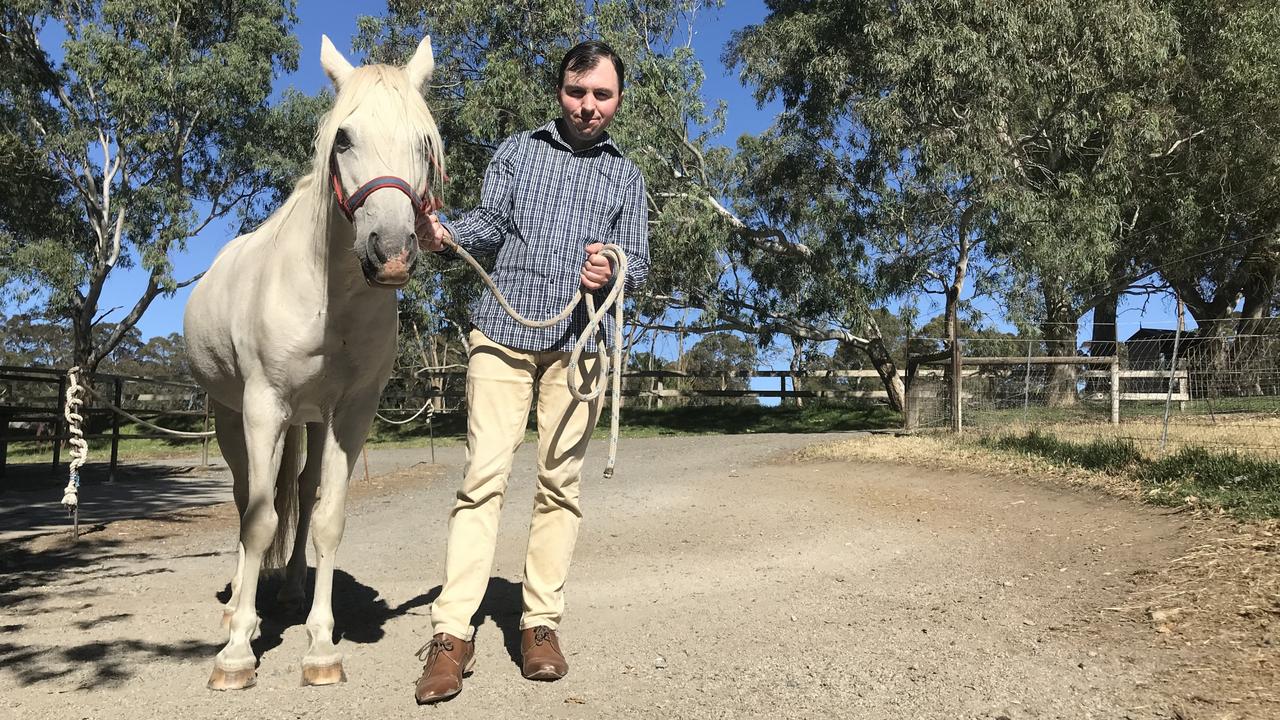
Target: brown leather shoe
540 650
447 659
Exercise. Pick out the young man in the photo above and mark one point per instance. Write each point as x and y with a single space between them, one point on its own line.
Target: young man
552 198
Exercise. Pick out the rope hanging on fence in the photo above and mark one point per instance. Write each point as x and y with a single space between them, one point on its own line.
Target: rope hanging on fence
594 317
428 408
80 448
153 426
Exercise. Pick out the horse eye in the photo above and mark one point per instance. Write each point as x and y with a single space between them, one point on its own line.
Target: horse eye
342 141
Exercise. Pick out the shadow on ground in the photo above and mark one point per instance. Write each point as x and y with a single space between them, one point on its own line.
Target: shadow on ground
31 494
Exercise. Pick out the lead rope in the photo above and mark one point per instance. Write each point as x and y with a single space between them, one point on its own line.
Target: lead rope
80 448
613 364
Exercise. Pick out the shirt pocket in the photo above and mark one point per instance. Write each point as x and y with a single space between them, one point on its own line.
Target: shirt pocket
598 202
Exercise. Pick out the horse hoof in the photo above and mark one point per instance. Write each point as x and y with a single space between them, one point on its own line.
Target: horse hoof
226 619
323 674
232 679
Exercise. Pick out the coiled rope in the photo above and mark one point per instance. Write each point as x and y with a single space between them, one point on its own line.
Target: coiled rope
613 363
80 448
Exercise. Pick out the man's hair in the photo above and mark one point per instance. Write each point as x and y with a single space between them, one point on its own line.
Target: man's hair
585 56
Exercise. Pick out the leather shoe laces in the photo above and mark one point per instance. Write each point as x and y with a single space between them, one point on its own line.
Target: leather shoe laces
433 648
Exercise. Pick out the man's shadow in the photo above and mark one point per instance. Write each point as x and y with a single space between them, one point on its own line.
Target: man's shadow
503 604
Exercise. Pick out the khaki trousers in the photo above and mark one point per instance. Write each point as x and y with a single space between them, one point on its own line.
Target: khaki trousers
500 384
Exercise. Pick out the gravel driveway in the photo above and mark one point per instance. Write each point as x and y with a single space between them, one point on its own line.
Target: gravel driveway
714 578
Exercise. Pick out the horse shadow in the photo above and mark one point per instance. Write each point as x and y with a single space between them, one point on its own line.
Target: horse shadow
361 614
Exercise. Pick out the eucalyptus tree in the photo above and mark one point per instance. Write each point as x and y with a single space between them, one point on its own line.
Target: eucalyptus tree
147 123
997 135
1213 201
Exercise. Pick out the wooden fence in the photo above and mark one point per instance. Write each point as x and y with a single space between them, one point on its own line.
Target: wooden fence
35 397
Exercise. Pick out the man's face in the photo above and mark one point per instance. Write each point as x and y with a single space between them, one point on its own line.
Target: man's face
589 100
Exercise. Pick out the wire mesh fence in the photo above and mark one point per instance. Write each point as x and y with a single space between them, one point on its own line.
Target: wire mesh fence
1217 386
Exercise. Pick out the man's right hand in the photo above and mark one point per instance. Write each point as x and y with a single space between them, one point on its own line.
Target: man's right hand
431 234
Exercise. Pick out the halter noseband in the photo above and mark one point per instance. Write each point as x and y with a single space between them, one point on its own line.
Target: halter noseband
422 204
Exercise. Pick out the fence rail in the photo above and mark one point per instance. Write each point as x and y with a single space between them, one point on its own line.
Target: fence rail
34 397
25 400
1216 389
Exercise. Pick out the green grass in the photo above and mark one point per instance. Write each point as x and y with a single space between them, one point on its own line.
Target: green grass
451 429
1247 487
1113 456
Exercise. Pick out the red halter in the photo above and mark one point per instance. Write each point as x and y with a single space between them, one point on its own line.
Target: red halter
422 203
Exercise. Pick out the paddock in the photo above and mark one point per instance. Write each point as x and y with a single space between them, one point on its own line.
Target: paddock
715 577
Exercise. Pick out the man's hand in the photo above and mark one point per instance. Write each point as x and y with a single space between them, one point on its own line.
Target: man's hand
431 234
596 271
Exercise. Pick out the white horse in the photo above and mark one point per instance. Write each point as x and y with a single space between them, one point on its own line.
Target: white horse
295 323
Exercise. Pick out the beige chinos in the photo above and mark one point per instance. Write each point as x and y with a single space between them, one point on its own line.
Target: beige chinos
500 389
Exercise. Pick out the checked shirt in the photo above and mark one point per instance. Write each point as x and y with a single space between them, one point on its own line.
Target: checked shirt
541 204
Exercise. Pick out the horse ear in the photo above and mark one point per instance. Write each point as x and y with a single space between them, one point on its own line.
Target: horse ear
335 65
422 65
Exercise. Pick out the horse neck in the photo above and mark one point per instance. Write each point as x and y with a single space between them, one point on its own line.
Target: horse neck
323 253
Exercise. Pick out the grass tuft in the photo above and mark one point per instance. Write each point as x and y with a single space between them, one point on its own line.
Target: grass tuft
1110 456
1247 487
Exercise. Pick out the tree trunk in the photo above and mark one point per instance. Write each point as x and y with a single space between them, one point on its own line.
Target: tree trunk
1104 341
888 371
797 350
1059 331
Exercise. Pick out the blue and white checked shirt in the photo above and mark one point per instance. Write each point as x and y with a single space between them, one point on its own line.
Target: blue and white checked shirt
541 204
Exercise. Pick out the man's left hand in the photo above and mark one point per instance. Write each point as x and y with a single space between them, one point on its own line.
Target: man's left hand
597 270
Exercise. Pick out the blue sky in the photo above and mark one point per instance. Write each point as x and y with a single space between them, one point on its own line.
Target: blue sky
338 21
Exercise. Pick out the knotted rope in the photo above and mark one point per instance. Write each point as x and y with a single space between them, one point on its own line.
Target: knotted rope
613 364
80 448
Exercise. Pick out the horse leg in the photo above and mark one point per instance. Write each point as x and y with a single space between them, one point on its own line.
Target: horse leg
293 592
264 431
230 428
322 665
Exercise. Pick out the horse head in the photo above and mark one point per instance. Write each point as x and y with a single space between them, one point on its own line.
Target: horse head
380 135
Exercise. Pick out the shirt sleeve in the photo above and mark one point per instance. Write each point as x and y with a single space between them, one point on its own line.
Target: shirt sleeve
483 230
631 232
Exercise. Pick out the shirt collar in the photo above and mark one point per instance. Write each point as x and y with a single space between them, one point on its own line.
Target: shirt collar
551 132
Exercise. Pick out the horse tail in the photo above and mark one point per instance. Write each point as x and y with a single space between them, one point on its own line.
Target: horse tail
286 499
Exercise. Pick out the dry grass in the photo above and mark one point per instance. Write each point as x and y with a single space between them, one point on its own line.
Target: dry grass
1256 433
942 451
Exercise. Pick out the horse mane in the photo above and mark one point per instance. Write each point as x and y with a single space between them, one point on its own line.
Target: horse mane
386 90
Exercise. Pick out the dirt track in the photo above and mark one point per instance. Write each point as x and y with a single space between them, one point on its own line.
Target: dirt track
713 578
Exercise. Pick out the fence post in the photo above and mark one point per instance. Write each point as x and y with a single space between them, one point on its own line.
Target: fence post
4 443
1173 373
957 387
204 451
1115 389
1026 386
782 389
59 420
115 430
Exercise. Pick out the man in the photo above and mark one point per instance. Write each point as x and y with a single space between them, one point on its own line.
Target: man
550 197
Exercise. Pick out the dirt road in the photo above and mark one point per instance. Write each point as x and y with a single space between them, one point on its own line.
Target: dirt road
715 577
